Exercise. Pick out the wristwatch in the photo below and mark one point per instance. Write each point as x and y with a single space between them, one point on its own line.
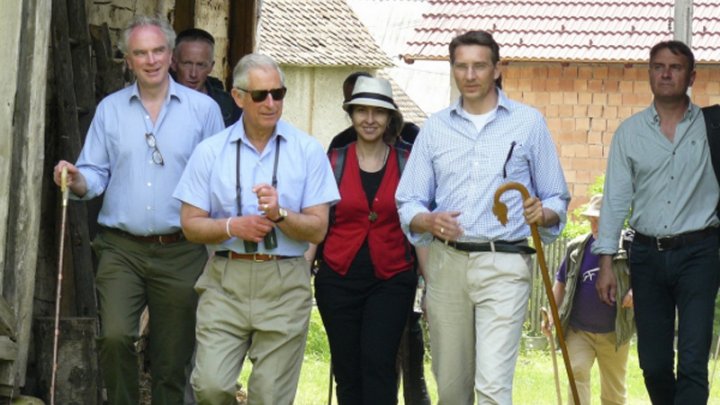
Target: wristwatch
282 214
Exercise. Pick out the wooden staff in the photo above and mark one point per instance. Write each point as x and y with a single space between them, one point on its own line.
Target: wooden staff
551 341
500 211
58 294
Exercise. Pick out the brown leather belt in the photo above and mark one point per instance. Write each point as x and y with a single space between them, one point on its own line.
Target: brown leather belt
255 257
159 239
674 241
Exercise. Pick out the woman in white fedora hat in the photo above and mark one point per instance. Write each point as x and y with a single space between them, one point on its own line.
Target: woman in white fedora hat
366 282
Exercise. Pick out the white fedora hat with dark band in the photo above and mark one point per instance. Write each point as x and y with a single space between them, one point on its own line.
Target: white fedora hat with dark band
371 91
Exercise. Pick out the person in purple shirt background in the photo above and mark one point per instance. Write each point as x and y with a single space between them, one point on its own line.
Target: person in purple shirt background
594 330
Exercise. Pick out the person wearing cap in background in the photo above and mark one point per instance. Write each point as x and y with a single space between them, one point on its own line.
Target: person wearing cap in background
192 62
366 282
594 330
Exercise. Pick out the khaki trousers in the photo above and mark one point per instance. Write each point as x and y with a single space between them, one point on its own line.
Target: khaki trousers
583 348
476 304
258 309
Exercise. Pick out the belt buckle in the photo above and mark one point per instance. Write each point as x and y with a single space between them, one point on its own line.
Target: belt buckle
659 244
256 260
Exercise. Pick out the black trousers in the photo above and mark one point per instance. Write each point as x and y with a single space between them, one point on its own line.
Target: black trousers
364 318
411 356
684 280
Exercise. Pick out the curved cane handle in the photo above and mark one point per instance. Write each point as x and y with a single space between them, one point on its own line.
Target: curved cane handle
500 211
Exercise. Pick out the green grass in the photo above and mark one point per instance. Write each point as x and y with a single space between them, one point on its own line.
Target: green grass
534 382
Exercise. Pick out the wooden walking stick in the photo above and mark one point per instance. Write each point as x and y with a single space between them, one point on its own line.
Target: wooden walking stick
58 294
500 211
551 341
717 351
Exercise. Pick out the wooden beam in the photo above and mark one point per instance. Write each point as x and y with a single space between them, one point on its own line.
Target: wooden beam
242 29
27 163
184 15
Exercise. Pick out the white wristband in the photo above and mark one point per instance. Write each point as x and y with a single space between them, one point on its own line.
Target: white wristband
227 227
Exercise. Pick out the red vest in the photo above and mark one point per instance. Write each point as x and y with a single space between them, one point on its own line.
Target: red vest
389 249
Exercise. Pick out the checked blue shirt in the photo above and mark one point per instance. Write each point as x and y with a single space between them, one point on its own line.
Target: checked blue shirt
460 168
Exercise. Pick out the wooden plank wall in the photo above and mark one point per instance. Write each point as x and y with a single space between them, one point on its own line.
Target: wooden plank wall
22 123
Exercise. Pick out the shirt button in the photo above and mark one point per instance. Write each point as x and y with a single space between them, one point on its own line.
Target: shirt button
149 184
148 208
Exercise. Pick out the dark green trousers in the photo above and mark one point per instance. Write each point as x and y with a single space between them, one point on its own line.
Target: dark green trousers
130 276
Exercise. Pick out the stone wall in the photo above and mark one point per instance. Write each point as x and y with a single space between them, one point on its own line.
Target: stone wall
210 15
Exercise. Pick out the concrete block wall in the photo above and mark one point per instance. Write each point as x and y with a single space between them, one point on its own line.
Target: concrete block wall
584 104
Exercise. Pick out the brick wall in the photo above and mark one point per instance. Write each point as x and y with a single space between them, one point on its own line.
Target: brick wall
584 104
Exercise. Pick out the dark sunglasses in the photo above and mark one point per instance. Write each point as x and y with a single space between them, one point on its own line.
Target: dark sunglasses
259 96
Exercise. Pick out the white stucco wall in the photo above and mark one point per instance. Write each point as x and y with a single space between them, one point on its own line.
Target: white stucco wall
314 100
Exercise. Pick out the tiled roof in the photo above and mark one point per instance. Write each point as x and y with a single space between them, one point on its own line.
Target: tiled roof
566 30
410 111
316 33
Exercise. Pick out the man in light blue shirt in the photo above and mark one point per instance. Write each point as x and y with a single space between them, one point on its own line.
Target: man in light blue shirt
478 273
659 170
135 152
256 194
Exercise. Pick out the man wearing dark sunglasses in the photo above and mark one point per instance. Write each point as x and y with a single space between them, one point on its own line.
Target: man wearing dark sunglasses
135 152
256 194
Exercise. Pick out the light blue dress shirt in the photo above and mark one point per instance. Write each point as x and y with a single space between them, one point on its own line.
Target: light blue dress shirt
669 187
304 177
117 160
460 169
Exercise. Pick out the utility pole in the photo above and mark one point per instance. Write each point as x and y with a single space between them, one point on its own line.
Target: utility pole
683 21
683 26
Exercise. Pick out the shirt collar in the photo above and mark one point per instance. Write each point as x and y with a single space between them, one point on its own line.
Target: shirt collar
692 109
237 131
503 103
172 90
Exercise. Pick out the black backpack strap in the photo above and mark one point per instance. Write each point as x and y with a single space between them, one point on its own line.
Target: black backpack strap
402 158
712 126
337 162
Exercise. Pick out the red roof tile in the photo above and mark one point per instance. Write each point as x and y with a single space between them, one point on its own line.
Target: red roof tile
565 30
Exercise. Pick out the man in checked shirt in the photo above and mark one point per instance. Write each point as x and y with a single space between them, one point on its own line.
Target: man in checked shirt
478 274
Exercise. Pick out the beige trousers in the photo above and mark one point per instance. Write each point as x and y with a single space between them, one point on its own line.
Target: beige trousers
258 309
476 304
583 349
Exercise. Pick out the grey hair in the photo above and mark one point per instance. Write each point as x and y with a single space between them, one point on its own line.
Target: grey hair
143 20
253 61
